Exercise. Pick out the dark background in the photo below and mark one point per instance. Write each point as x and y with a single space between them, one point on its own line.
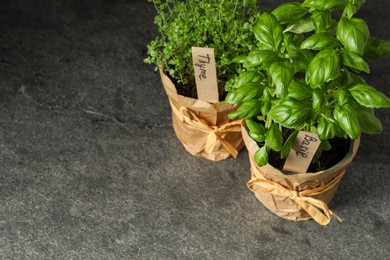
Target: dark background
90 167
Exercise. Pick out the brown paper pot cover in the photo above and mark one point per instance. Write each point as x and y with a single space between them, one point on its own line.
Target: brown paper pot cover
203 128
300 196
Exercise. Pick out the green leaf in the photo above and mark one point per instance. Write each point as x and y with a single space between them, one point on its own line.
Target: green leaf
255 127
274 138
261 156
257 137
318 99
238 59
268 32
325 5
327 127
258 57
320 41
324 67
377 48
281 74
289 12
369 97
301 26
369 123
354 61
348 121
256 131
288 145
299 90
290 113
266 107
322 20
244 93
350 10
352 7
301 58
295 39
353 34
247 77
247 110
350 78
341 96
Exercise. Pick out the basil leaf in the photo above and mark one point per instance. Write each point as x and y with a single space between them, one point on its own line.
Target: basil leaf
319 41
289 113
299 90
354 61
257 137
347 120
322 20
341 95
350 10
324 67
281 74
238 59
261 156
289 12
325 5
268 32
353 34
301 58
369 97
294 39
266 107
274 138
244 93
369 123
377 48
318 99
247 77
327 127
247 110
258 57
288 145
350 78
255 127
301 26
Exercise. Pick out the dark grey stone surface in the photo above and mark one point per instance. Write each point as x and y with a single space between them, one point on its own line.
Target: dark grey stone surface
90 167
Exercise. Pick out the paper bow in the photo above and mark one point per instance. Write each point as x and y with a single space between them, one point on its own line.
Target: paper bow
215 133
317 209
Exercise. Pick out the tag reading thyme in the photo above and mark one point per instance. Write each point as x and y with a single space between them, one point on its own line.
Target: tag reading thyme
302 153
205 70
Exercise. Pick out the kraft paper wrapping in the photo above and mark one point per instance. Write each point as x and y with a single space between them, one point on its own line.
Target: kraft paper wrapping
301 196
203 128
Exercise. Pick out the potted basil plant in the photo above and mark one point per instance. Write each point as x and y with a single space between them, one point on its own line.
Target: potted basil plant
306 77
224 26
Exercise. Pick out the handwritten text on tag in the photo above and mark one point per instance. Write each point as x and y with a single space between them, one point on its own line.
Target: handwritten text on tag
205 74
302 153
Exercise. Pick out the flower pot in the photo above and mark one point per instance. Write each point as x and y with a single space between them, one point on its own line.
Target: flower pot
203 128
301 196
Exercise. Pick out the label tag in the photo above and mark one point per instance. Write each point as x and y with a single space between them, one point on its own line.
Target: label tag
302 153
205 70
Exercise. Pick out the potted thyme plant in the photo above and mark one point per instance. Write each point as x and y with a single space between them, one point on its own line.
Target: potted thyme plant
225 26
306 76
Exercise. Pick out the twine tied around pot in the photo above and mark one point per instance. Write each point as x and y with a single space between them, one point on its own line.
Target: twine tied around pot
317 209
215 133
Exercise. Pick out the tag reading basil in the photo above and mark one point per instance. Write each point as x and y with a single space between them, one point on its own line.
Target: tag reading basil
302 153
205 70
